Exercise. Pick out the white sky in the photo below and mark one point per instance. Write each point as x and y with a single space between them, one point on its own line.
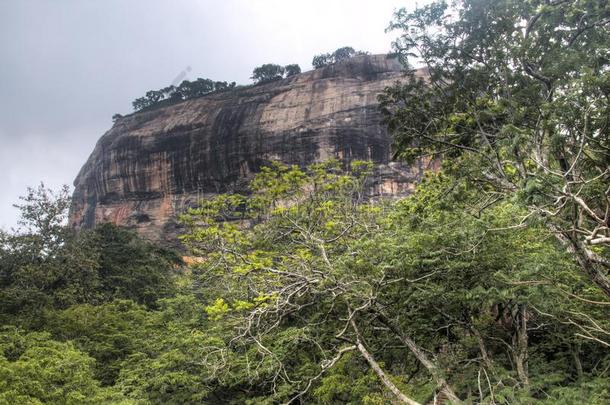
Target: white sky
68 65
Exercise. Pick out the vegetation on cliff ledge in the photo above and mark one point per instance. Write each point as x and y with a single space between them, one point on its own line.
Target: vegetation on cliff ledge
265 73
185 91
339 55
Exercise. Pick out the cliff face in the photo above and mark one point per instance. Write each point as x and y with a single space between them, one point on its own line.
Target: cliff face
151 166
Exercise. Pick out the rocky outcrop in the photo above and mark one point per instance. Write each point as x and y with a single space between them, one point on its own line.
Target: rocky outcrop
152 165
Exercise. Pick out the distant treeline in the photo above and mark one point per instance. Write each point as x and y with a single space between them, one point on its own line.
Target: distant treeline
186 90
325 59
265 73
270 72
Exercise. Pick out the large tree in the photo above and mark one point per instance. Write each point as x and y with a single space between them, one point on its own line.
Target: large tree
516 101
267 73
292 70
288 273
305 276
35 369
339 55
46 265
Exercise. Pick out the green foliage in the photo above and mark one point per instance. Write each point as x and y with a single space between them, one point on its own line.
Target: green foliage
306 290
46 265
34 369
339 55
171 376
131 268
453 277
42 220
319 61
515 103
350 382
268 73
297 280
185 91
292 70
108 333
217 310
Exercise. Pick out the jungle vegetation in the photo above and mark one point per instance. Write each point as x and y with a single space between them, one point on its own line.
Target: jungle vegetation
487 285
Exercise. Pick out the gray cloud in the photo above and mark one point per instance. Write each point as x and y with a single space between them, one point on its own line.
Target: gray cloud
68 66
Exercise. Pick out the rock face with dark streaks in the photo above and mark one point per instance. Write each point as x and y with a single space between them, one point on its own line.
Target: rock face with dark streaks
152 165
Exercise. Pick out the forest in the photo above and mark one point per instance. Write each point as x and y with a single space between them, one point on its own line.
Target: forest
489 284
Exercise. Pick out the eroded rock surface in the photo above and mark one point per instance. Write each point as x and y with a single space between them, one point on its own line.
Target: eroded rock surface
152 165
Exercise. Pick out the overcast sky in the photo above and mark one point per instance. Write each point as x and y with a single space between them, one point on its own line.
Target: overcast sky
68 65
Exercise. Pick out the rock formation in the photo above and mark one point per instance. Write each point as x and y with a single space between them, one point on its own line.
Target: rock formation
152 165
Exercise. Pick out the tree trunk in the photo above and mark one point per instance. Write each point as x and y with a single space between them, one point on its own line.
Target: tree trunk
420 356
593 270
482 349
575 349
520 344
383 377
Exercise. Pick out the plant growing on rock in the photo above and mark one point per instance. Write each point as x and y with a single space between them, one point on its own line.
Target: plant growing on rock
267 73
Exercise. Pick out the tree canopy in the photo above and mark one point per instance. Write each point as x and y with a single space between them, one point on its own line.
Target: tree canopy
516 102
45 264
270 72
267 73
304 291
338 55
488 284
308 265
262 74
185 91
292 70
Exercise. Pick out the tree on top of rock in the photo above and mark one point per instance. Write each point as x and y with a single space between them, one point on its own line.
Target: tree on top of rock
292 70
267 73
339 55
